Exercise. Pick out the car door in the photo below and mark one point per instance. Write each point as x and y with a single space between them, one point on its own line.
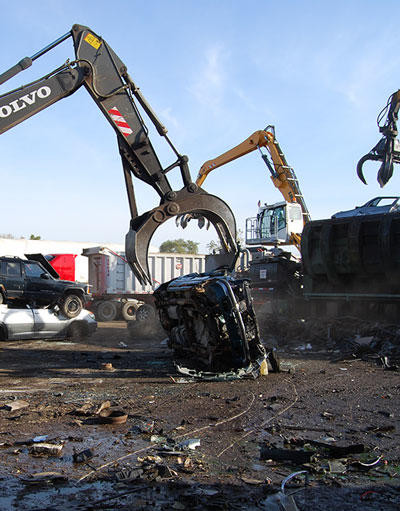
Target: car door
19 323
48 324
39 285
12 279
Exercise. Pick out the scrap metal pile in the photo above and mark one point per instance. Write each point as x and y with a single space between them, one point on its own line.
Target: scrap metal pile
212 326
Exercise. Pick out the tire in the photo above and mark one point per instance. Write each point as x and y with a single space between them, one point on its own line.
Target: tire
71 306
3 333
76 332
274 360
129 311
145 313
106 311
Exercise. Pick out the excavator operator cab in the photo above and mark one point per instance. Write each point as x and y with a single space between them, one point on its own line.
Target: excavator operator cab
274 224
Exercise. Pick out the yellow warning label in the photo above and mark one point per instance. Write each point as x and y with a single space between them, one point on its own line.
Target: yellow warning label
93 41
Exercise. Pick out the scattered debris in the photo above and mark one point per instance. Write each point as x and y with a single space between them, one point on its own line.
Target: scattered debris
143 427
82 456
44 478
44 449
41 438
103 406
281 501
107 366
191 443
113 416
15 405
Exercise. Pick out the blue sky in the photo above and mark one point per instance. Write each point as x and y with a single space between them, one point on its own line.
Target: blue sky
214 71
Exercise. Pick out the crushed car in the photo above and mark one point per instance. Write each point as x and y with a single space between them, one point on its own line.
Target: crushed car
25 322
211 324
34 281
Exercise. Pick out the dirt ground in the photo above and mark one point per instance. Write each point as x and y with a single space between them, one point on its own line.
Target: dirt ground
320 400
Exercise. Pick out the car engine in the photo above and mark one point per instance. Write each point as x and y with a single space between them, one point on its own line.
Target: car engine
211 324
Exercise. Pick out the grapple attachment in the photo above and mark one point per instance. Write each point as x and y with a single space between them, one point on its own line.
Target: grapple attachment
387 151
190 199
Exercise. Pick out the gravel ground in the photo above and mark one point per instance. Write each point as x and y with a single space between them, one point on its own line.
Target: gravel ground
312 405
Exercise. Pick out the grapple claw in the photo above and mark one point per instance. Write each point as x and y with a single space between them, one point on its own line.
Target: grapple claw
360 164
199 202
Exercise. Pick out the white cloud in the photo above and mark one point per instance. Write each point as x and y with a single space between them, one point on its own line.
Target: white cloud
209 84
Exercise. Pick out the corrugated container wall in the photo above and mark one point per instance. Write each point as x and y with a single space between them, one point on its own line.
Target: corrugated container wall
110 274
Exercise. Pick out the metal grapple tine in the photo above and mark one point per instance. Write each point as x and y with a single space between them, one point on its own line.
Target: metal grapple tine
369 156
143 227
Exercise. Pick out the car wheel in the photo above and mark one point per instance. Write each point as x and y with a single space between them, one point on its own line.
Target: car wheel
129 311
76 332
71 306
106 311
145 313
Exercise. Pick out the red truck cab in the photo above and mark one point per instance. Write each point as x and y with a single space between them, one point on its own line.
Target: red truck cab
64 264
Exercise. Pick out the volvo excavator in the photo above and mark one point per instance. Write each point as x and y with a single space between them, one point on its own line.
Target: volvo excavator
106 79
209 317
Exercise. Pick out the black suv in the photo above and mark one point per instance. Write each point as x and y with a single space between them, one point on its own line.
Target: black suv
36 283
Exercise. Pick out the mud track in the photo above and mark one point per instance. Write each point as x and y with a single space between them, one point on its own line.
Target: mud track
349 402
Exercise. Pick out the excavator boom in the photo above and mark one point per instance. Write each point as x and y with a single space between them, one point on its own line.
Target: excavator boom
275 224
282 175
105 77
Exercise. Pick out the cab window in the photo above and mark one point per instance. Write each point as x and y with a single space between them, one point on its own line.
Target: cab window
13 269
33 270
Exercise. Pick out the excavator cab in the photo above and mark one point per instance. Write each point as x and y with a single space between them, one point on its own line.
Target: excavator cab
275 224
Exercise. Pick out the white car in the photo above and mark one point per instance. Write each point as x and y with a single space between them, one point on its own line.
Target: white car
29 323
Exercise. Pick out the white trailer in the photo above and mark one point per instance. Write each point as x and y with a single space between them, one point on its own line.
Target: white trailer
115 289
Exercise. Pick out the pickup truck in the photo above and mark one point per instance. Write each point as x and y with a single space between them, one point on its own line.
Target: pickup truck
28 281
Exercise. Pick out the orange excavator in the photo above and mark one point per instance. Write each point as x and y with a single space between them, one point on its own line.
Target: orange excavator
276 224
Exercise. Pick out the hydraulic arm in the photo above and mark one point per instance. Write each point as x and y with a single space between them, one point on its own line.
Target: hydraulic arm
387 150
282 175
106 78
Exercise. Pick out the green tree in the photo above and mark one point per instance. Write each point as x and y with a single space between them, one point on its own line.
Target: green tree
214 246
33 237
180 246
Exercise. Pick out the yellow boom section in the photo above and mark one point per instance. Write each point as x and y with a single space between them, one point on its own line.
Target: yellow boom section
282 175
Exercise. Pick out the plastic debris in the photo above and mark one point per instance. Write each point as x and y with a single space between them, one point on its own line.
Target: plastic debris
82 456
191 443
158 439
40 438
44 449
15 405
103 406
146 426
107 366
281 501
